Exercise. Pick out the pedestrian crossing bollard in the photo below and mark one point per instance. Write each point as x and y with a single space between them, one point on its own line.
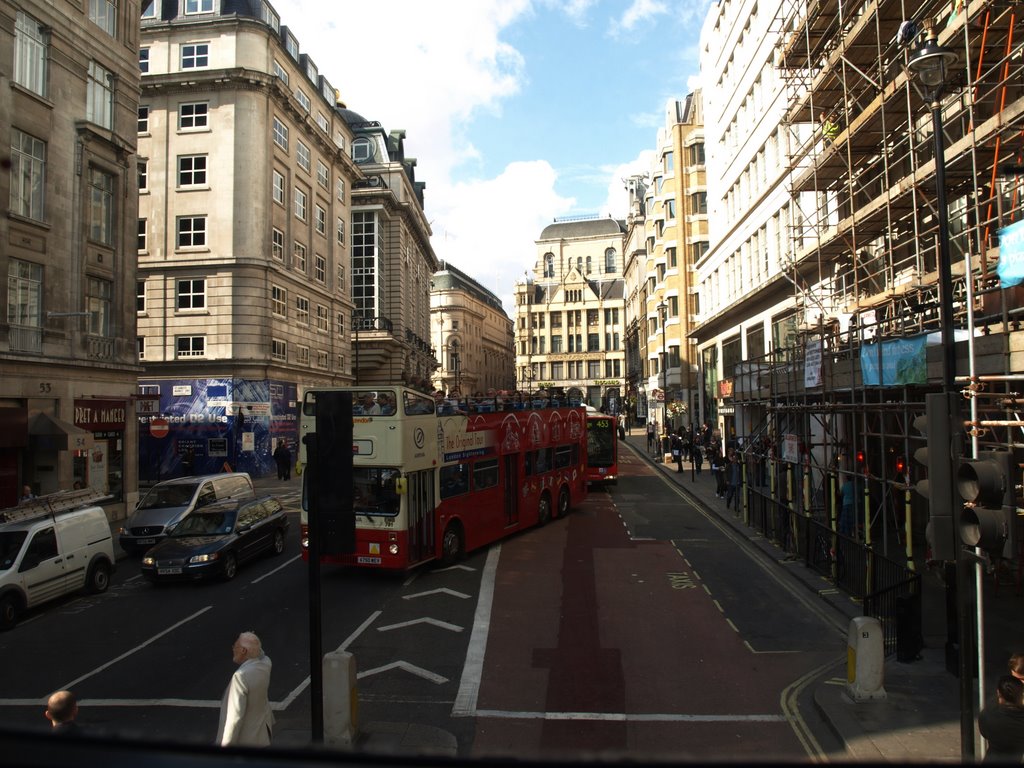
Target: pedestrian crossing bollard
341 700
865 659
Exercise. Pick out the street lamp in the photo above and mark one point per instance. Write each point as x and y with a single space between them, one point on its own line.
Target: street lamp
662 313
931 64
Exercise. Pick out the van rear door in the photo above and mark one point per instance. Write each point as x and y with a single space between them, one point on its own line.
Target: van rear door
42 567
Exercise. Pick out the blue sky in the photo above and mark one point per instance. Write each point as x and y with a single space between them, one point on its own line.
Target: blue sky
518 111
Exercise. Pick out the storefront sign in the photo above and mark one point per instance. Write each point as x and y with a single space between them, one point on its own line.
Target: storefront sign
100 414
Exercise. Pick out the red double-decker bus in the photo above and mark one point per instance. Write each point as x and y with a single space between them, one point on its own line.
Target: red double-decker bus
429 486
602 448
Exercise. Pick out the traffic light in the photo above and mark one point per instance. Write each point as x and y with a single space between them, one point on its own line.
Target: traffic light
901 466
942 427
989 486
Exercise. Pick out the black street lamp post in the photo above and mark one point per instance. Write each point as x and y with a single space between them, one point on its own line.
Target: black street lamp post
662 314
932 65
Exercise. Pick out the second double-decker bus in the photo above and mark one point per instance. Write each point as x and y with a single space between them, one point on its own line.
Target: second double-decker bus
602 448
433 487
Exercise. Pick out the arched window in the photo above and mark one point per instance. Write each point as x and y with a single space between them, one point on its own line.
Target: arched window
362 150
588 265
549 265
609 260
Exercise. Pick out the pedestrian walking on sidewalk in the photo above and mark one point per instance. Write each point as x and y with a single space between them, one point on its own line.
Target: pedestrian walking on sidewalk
283 457
1002 723
733 476
652 431
677 450
245 716
697 456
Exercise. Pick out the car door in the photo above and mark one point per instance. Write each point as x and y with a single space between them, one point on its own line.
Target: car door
42 567
247 530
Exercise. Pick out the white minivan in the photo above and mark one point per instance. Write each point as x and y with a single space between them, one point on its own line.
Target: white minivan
49 547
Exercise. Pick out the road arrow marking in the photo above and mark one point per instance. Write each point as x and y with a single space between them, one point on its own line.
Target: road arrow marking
442 591
410 668
435 622
456 568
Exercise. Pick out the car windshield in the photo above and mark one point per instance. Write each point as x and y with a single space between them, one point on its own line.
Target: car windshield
163 496
10 545
206 524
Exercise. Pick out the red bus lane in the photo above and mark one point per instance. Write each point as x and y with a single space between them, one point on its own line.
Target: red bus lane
606 645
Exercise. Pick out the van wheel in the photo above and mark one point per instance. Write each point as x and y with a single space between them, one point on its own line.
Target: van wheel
10 609
230 567
278 546
563 502
99 578
452 544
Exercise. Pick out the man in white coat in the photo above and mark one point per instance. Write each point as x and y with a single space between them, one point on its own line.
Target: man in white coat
245 716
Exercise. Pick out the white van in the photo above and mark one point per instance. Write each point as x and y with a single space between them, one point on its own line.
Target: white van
166 504
51 546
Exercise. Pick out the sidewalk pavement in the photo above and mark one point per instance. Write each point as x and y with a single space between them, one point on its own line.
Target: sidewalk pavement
919 718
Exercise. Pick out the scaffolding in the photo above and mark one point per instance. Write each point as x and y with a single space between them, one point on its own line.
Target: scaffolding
837 396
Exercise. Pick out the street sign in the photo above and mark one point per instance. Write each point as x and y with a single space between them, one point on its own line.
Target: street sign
159 428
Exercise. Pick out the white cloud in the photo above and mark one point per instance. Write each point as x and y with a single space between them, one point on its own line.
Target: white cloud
637 13
487 227
616 203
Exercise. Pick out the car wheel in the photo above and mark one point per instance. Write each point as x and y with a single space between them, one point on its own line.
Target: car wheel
278 546
452 544
544 510
10 609
563 502
230 567
99 577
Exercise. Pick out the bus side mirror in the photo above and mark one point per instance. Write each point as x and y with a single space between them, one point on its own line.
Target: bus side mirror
401 486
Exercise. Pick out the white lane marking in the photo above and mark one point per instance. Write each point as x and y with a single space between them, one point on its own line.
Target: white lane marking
434 622
410 668
456 567
628 717
472 670
441 591
285 564
139 647
348 641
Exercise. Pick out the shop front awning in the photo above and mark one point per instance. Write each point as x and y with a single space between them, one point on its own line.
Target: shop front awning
47 432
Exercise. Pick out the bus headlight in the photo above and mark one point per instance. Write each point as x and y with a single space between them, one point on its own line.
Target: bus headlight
393 549
305 543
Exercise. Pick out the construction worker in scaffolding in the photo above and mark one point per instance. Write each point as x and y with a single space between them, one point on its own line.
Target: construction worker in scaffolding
829 128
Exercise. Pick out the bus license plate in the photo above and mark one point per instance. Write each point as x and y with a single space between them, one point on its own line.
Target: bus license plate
168 571
368 560
602 471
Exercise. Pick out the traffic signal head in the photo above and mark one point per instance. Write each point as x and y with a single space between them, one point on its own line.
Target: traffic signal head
943 429
989 486
860 458
901 465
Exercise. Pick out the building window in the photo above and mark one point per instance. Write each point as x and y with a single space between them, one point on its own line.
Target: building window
341 231
340 324
191 231
304 101
302 310
150 12
668 162
198 6
99 296
31 54
28 175
300 204
193 116
191 170
699 202
341 189
278 349
609 261
281 134
670 209
320 269
141 243
103 13
278 188
99 101
277 244
192 293
101 207
302 355
24 294
323 175
195 55
144 60
143 126
140 347
278 301
321 221
190 346
695 154
302 155
362 150
323 319
321 359
299 254
280 72
321 120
